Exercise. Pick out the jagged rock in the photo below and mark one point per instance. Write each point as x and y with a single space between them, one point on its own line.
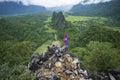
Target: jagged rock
75 72
100 76
68 72
115 73
56 64
61 60
53 58
111 77
34 62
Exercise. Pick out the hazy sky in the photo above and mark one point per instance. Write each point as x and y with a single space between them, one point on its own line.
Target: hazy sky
52 3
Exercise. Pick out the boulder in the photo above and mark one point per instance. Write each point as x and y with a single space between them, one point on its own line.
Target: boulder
58 64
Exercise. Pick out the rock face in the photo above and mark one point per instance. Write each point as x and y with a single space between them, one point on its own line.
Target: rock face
58 19
56 64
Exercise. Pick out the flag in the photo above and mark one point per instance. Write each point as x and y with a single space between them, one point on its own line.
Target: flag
66 39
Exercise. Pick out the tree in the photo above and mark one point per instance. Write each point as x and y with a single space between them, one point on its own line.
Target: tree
102 57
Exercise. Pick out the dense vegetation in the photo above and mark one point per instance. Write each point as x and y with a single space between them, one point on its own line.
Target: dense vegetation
93 39
95 43
19 37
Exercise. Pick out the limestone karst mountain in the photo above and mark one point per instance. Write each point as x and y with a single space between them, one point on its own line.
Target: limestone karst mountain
58 19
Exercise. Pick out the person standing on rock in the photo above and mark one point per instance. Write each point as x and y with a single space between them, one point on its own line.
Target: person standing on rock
66 40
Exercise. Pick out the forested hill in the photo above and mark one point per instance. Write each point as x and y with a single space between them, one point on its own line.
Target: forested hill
95 40
9 8
111 8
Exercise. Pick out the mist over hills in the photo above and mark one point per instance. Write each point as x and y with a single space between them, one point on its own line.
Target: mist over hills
111 8
10 7
84 8
60 8
86 2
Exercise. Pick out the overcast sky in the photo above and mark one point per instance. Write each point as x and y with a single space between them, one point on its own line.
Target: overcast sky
53 3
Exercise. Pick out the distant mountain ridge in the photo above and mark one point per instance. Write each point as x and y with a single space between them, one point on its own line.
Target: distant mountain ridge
10 7
111 9
60 8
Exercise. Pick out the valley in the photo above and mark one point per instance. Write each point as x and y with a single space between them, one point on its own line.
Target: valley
89 38
93 38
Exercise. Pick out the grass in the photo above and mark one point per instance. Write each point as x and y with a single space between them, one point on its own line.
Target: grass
84 22
113 28
84 18
49 30
48 20
43 47
78 18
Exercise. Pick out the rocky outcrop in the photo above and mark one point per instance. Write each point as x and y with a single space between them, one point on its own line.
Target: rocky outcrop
56 64
58 19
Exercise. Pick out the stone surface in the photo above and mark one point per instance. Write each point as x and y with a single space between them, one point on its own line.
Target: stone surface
57 64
